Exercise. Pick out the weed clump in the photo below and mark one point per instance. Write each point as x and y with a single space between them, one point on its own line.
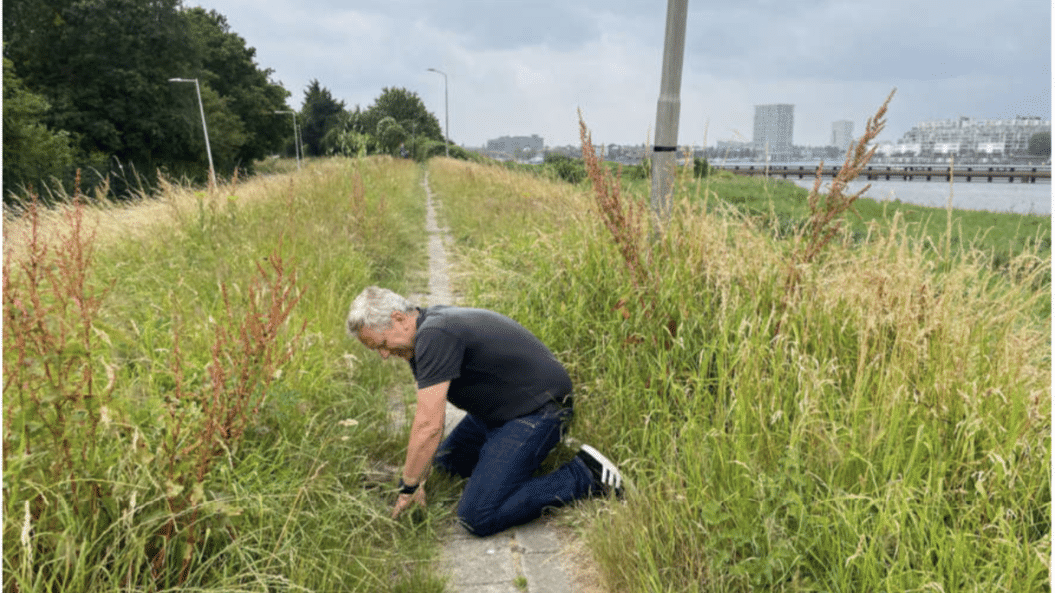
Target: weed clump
87 481
826 210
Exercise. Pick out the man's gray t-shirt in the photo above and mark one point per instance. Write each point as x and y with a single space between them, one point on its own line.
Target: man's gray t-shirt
498 369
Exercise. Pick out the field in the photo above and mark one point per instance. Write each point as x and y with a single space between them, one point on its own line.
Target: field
187 414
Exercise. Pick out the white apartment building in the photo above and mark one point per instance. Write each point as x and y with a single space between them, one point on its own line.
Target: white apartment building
970 137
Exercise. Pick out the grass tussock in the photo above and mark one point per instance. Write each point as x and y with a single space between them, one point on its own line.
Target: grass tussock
894 434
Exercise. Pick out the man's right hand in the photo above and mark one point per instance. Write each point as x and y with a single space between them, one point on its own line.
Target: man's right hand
405 501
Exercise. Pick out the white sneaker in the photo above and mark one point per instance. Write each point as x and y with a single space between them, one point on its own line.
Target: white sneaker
606 477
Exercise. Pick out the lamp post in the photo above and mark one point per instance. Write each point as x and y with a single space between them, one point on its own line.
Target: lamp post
664 157
205 129
296 136
446 115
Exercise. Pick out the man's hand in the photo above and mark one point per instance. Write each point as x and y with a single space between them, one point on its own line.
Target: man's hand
404 501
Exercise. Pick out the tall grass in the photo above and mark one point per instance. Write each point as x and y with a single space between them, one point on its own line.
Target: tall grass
182 408
184 412
893 435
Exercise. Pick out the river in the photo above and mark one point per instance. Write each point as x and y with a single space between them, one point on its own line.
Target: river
1019 198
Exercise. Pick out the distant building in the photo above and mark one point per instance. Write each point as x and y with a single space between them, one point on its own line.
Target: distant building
842 134
516 146
774 125
970 137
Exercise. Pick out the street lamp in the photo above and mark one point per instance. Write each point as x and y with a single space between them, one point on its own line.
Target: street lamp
446 116
668 109
205 129
296 136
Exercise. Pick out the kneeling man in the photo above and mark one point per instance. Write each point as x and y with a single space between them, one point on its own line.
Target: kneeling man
517 398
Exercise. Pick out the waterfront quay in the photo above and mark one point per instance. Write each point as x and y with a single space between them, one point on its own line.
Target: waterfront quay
1008 174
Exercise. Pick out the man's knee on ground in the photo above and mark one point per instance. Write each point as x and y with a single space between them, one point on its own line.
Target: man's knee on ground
478 521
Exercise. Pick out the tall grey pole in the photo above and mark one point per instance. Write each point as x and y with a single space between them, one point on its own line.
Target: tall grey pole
446 114
664 153
205 129
296 136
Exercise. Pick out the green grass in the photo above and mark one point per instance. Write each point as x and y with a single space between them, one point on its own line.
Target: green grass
887 427
301 501
782 205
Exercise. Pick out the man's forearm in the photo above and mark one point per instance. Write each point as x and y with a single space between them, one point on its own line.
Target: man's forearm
425 438
426 431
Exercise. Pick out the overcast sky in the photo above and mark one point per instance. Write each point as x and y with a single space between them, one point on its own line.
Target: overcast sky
522 68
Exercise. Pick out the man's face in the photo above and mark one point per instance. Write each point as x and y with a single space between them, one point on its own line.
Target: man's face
396 340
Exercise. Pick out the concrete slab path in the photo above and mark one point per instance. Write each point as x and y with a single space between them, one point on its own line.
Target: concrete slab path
518 560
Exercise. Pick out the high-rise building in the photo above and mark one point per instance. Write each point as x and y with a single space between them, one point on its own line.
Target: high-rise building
842 134
773 129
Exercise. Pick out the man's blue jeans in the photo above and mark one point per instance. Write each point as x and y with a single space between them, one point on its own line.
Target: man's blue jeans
500 462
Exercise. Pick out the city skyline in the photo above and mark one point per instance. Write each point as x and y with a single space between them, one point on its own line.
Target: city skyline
976 130
518 68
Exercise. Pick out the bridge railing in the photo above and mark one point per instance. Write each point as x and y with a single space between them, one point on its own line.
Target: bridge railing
924 172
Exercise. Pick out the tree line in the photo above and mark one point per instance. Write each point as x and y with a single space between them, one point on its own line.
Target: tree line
87 88
396 123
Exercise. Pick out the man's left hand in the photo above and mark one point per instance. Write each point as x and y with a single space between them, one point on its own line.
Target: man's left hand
404 501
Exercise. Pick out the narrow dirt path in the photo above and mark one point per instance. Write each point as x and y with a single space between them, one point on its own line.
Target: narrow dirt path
526 558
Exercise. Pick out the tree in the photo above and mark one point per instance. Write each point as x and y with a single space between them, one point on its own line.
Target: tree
225 64
103 65
407 109
390 134
348 136
1040 144
33 154
320 113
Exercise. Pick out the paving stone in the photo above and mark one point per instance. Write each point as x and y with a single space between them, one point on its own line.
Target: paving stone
490 588
536 537
544 573
451 418
481 561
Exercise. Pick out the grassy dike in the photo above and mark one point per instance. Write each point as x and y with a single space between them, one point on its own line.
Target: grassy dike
877 419
182 408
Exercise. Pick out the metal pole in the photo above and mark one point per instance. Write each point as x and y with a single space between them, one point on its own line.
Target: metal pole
446 114
297 146
204 127
296 136
664 153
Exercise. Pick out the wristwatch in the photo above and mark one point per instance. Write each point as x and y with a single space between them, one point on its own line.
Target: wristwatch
405 489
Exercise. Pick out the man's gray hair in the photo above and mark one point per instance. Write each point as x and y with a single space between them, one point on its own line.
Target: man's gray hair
373 308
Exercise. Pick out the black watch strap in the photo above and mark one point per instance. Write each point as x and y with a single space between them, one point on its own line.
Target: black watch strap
405 489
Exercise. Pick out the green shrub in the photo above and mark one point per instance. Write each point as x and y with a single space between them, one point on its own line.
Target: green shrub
564 167
700 168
